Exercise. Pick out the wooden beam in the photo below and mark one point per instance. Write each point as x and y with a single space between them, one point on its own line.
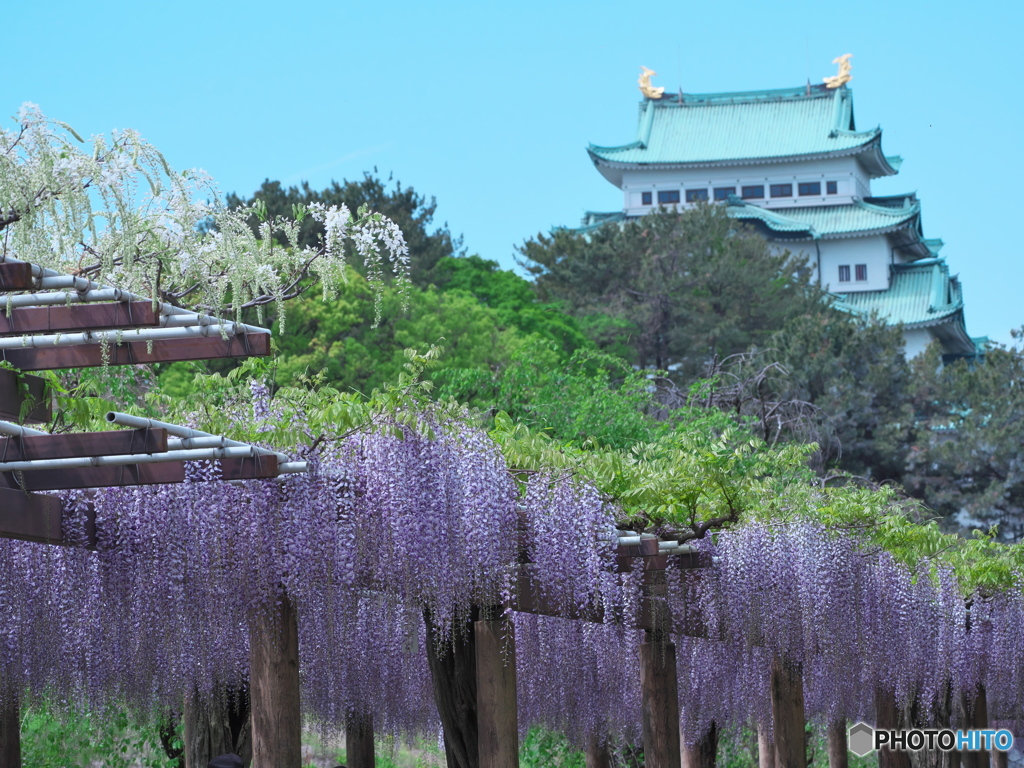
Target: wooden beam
787 690
31 517
528 597
12 395
163 473
83 444
249 468
496 707
660 702
15 277
95 477
137 352
359 747
274 688
77 317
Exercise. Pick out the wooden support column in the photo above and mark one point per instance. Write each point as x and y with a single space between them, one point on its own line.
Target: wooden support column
788 715
765 748
453 676
974 716
1000 759
887 716
704 753
496 703
660 702
359 748
838 749
217 725
274 688
598 754
10 734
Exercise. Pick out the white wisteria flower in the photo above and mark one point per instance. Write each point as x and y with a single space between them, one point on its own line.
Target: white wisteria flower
113 208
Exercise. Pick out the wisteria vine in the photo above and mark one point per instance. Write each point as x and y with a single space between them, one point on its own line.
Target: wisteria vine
416 517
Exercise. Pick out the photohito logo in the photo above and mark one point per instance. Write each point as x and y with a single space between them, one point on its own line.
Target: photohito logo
863 739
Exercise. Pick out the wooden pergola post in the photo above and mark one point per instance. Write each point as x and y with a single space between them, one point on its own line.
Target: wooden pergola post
838 749
660 701
10 734
359 748
887 716
788 714
598 755
497 706
274 688
704 753
765 747
974 716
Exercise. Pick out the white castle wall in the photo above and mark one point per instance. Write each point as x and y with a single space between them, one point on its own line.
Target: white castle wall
850 177
873 251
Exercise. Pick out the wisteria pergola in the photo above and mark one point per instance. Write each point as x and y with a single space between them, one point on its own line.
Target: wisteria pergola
51 321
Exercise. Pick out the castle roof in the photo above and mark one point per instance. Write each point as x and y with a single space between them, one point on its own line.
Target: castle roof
920 295
896 215
860 217
716 129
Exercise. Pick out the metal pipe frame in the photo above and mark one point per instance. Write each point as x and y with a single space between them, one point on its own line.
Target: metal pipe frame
16 430
201 454
113 336
138 422
181 443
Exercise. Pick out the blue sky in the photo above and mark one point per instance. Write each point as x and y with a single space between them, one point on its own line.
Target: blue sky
489 107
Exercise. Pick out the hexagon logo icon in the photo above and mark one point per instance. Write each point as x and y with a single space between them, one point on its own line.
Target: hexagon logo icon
861 739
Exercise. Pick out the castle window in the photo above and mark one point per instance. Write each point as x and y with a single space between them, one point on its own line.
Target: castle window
645 198
862 272
695 195
754 192
722 193
844 273
668 196
782 190
809 188
831 187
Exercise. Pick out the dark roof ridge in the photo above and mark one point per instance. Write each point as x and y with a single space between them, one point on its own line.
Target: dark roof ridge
744 97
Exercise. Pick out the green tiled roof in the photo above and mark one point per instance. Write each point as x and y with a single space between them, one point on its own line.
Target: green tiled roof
726 128
858 217
920 294
594 219
812 222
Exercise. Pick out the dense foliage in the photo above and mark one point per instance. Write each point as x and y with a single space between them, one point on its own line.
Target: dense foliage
966 460
672 290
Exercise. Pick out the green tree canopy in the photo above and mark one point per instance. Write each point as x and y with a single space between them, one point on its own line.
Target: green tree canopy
966 459
673 289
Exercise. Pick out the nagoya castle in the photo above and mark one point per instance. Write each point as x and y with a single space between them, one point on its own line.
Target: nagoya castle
792 163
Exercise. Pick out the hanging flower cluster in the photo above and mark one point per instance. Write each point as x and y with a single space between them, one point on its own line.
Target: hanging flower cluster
116 212
418 521
856 622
